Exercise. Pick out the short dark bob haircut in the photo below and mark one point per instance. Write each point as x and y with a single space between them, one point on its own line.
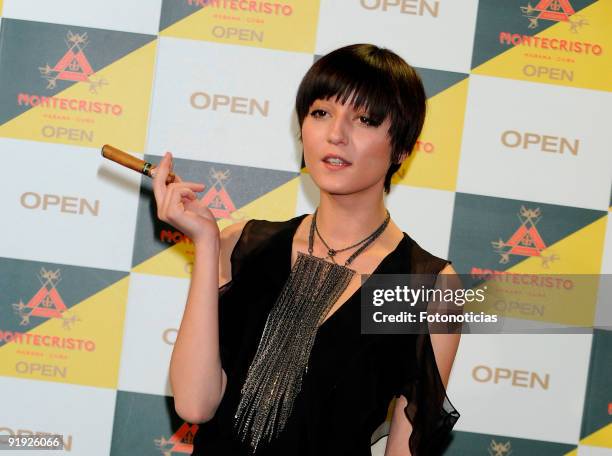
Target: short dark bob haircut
375 79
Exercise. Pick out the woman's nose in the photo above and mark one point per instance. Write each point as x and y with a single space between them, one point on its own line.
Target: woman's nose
337 133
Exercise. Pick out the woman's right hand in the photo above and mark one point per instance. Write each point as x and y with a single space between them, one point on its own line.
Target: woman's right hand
178 205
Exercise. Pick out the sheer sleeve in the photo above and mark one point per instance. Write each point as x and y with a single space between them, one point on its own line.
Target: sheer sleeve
254 236
239 252
234 294
429 409
227 299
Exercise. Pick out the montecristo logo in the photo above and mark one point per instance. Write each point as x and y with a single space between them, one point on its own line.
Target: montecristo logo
73 66
180 442
552 10
499 449
217 198
526 240
46 303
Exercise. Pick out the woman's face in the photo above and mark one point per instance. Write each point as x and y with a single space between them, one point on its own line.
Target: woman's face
344 150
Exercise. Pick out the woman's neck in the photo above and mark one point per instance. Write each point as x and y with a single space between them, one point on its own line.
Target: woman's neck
345 219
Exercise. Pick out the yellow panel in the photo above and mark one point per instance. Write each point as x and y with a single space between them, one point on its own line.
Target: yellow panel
175 261
292 32
443 129
573 265
99 319
588 70
600 438
125 87
279 204
579 253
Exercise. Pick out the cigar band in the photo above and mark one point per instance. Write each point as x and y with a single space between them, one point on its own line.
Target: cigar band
146 169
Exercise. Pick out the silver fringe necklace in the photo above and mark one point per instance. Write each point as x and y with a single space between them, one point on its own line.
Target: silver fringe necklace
274 378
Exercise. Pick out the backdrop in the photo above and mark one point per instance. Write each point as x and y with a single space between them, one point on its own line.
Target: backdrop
511 174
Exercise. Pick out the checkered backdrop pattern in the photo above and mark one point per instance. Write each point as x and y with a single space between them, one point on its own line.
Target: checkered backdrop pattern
93 286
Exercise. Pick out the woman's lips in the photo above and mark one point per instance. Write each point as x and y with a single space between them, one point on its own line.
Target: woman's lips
336 167
335 163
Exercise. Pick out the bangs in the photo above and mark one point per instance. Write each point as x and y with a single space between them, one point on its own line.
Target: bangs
351 79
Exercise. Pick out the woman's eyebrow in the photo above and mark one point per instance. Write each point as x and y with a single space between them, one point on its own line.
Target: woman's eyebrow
361 110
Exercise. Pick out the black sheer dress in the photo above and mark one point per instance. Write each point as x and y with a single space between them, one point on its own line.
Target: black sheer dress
351 378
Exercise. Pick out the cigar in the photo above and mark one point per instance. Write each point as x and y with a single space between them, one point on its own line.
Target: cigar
129 161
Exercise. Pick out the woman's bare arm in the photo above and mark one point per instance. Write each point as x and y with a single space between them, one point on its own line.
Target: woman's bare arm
196 374
197 377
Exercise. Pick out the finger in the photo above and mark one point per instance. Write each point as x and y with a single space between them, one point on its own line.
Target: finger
195 186
179 180
175 206
157 168
159 177
189 198
200 207
172 199
192 204
188 203
175 189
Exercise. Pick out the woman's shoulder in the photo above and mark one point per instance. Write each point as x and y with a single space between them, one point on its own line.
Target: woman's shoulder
254 231
251 229
243 239
422 261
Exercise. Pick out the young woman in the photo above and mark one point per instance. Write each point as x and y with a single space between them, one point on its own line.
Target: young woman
269 353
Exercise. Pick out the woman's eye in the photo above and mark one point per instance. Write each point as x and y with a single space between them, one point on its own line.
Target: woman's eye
368 121
317 113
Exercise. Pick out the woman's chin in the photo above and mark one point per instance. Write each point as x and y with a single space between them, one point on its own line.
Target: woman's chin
339 189
331 186
341 185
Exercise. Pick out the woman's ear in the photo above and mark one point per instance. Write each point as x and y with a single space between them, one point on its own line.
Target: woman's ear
402 157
